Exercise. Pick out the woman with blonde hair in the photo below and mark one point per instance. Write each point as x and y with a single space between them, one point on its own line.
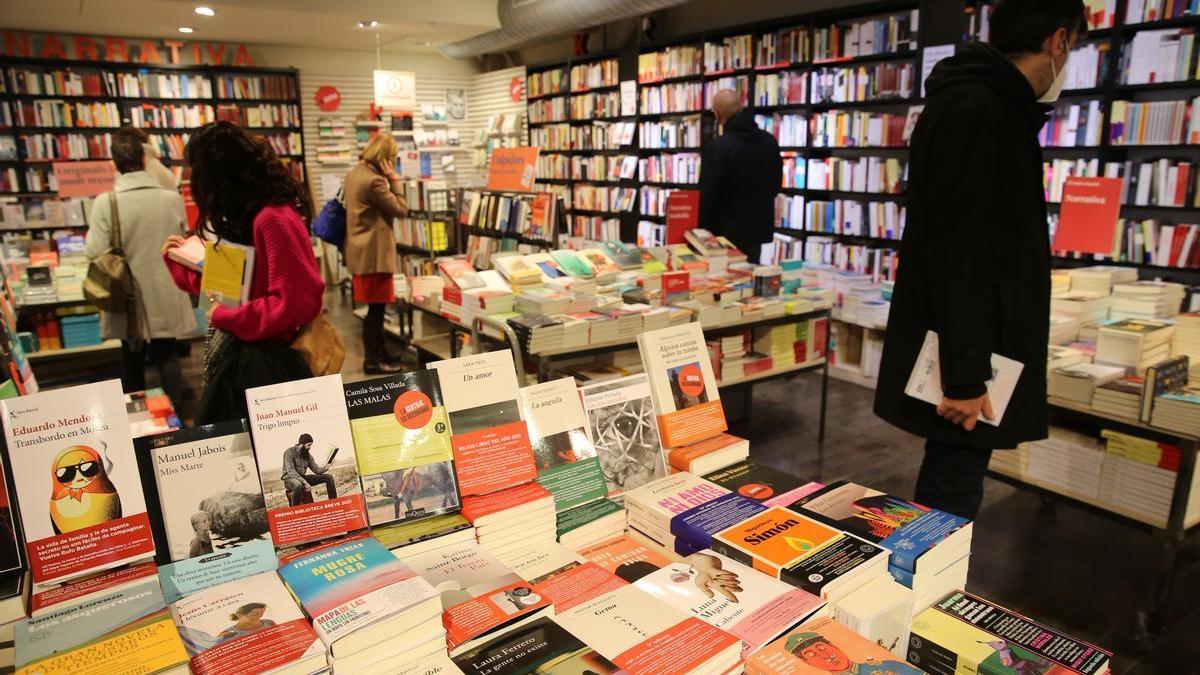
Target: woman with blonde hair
373 198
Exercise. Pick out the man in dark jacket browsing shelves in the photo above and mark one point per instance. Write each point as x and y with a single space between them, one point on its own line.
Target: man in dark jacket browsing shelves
975 256
739 177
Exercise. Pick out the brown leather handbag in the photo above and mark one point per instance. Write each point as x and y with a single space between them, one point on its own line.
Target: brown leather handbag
321 345
109 284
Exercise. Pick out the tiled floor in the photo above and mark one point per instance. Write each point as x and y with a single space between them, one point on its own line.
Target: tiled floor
1071 569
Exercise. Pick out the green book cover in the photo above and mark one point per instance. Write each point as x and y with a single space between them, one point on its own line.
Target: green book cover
566 459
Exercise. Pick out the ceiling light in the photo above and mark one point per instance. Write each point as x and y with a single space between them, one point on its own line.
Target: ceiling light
422 43
372 23
186 29
203 10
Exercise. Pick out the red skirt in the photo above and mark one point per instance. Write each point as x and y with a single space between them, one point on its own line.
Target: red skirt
374 289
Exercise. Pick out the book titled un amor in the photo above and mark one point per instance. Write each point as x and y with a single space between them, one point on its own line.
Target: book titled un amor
489 437
402 444
77 481
306 460
682 384
211 523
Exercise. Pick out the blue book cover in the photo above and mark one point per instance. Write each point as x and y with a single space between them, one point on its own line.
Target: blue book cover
693 529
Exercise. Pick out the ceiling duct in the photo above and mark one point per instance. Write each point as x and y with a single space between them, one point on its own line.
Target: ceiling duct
526 20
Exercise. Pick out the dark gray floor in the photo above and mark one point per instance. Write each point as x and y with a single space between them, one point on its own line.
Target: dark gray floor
1067 568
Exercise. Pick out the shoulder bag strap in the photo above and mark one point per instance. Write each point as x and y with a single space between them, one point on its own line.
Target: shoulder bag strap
115 217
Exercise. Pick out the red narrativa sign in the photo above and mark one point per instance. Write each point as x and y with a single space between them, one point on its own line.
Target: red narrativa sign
1089 214
683 214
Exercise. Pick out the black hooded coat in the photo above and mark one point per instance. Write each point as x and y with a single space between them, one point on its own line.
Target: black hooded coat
739 177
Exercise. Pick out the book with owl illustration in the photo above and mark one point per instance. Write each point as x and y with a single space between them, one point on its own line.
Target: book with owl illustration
76 478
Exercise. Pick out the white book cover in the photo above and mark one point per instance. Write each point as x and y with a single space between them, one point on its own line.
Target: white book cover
682 384
566 460
93 516
925 382
488 434
306 461
622 427
731 596
644 635
251 620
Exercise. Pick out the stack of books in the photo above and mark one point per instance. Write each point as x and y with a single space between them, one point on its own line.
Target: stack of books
537 332
711 454
779 342
543 300
1178 410
1187 342
600 328
1100 278
1079 382
1063 329
628 323
727 353
652 507
1134 343
1059 356
1146 300
490 299
1089 309
1121 398
1060 282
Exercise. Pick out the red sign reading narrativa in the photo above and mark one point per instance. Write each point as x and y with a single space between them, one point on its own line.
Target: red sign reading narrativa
1089 214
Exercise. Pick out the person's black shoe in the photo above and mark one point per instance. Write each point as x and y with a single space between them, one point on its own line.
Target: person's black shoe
394 359
379 366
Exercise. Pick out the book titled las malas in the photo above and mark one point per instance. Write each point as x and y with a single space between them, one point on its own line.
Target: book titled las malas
682 384
963 633
76 476
211 524
124 630
566 459
359 595
825 646
251 625
925 381
490 440
643 635
731 596
621 426
402 443
306 463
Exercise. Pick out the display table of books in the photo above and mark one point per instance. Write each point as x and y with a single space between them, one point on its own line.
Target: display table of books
450 520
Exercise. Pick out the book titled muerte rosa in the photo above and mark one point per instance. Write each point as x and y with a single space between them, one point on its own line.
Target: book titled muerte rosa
489 437
306 462
682 384
77 481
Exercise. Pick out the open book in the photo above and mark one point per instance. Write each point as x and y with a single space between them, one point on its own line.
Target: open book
925 382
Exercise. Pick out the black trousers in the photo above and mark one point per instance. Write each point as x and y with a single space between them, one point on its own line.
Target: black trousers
160 353
296 489
951 478
373 340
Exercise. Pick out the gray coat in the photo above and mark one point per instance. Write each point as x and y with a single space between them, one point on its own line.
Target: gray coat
149 214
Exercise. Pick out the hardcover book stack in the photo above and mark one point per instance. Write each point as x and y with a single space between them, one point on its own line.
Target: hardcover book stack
1134 343
653 507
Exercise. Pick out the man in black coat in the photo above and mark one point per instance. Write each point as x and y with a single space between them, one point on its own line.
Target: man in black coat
739 177
975 256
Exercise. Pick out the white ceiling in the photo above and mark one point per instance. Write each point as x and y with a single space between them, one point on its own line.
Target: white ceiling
404 25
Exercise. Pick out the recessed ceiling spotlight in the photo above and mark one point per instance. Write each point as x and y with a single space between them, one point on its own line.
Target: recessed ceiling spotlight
372 23
204 10
186 29
422 43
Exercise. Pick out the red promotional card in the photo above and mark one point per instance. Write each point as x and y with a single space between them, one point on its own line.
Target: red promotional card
683 214
1089 214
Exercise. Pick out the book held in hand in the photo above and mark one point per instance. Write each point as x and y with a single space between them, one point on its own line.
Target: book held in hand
925 382
306 462
190 253
227 271
92 514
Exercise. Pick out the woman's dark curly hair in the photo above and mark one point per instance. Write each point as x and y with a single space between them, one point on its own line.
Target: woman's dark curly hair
234 175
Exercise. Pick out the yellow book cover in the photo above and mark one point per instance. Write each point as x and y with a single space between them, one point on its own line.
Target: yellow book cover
227 270
777 537
148 645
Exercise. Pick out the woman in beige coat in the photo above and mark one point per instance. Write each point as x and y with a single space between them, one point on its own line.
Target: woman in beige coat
373 199
148 213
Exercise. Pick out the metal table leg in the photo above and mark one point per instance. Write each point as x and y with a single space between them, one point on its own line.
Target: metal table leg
1153 620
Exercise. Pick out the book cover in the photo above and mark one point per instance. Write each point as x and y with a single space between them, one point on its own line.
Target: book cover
693 529
351 585
251 625
190 253
824 646
624 557
658 502
904 527
566 460
682 385
479 593
925 381
402 444
227 271
643 635
406 532
489 437
211 521
540 647
125 630
774 540
476 507
731 596
966 633
306 464
93 516
621 426
582 516
762 483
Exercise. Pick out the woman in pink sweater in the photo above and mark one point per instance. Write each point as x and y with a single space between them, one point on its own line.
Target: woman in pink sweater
247 196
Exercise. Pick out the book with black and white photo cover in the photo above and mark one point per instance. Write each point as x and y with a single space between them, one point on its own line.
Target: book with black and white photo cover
211 523
622 427
731 596
306 462
821 646
762 483
402 444
539 647
252 626
682 384
925 381
93 516
965 633
488 434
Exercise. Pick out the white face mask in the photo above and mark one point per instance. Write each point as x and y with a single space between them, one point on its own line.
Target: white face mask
1060 79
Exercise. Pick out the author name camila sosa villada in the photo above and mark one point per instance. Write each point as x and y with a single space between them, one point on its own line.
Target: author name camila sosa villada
284 417
57 430
342 566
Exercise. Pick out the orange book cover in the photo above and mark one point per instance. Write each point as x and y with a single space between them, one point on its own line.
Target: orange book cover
681 458
777 537
476 507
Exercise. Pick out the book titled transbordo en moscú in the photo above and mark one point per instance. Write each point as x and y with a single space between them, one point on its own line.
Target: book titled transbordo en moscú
77 481
682 384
